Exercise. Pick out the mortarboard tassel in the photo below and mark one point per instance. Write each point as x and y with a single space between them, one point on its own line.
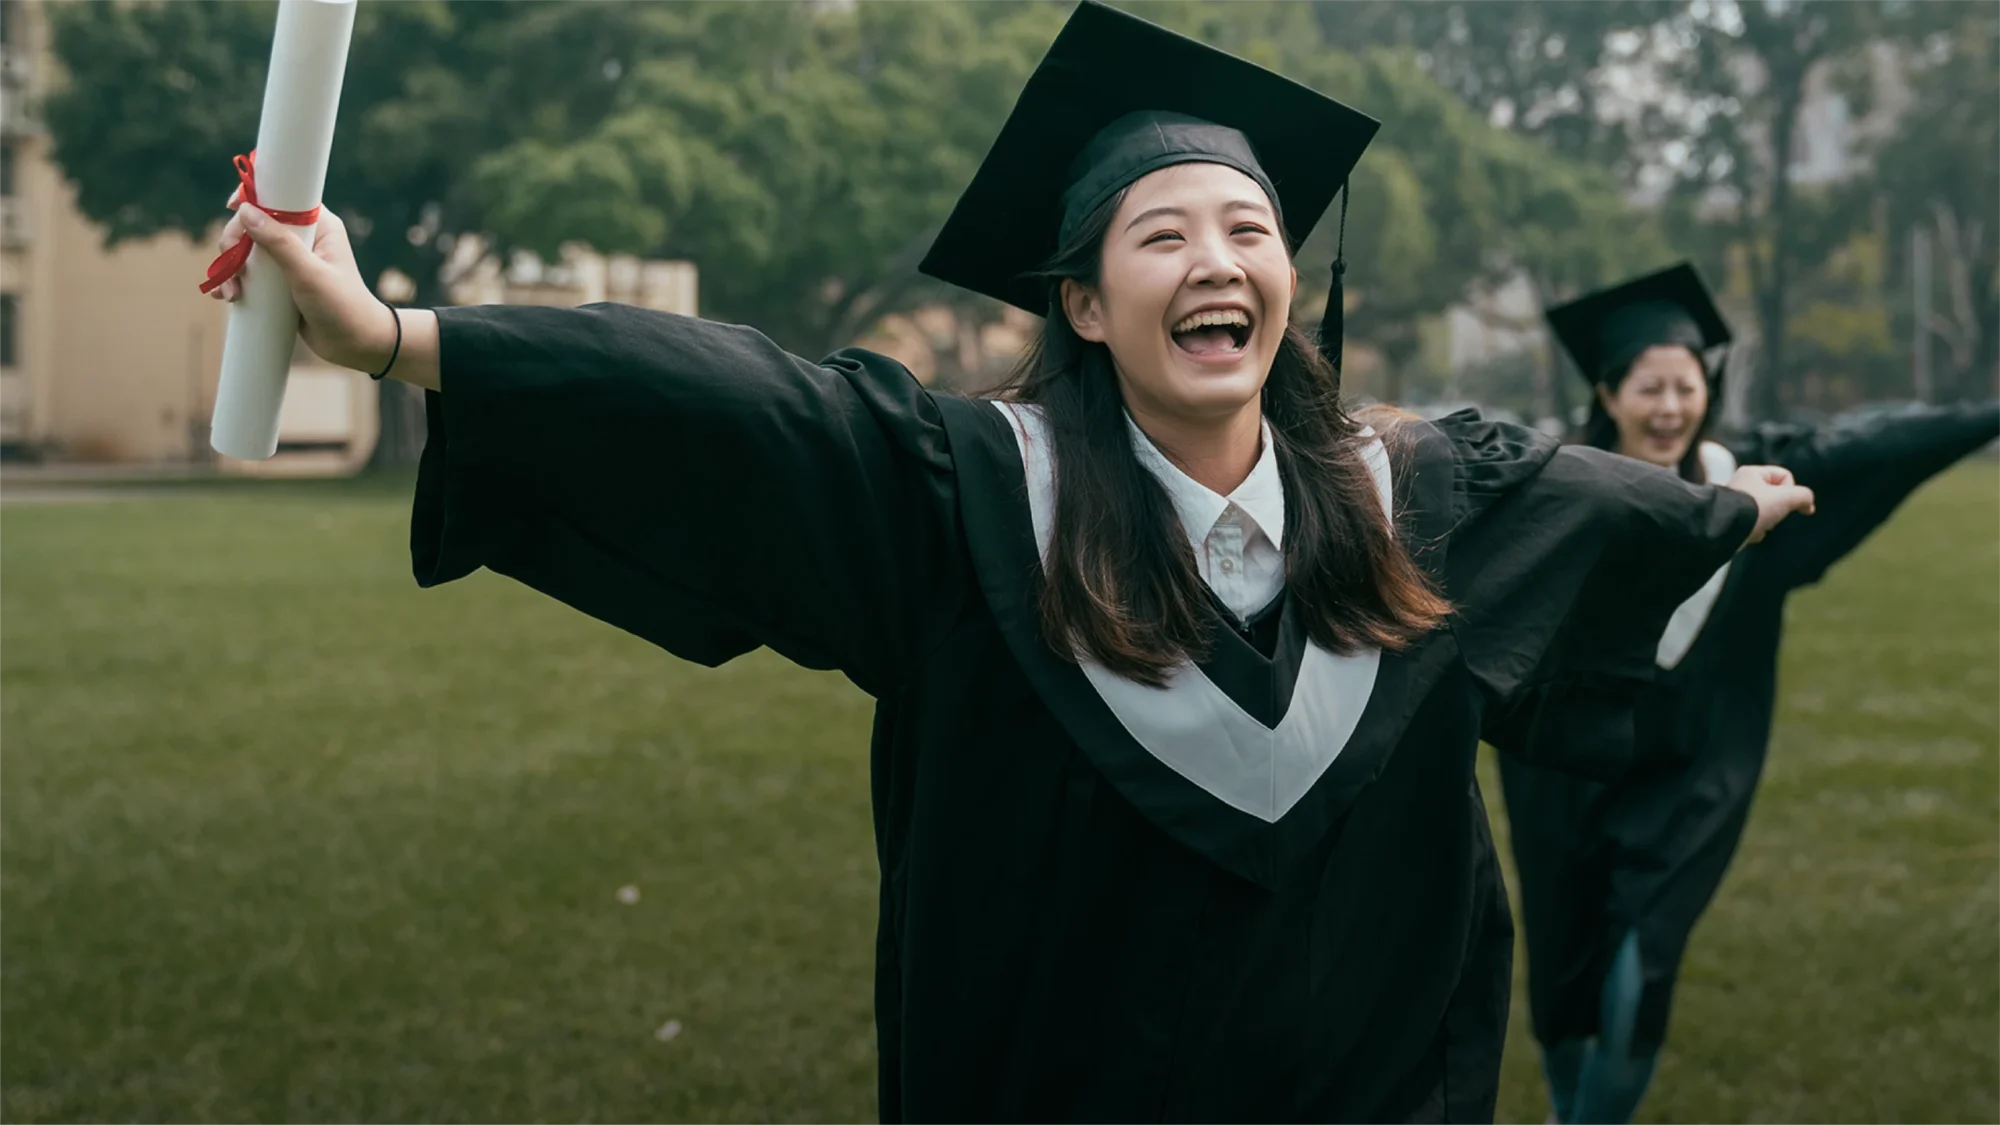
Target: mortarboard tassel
1332 323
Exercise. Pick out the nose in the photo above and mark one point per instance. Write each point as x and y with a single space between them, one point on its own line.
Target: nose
1213 262
1670 402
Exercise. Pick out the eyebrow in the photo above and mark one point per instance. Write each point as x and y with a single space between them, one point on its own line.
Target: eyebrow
1232 205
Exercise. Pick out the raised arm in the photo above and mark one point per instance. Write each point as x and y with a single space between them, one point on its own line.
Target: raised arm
687 481
341 319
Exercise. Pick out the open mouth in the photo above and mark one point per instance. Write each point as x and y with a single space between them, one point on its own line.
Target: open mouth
1213 332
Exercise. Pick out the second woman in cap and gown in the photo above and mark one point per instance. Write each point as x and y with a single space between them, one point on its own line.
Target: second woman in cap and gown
1615 876
1179 671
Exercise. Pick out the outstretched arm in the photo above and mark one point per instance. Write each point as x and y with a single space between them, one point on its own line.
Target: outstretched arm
1564 578
687 481
1863 466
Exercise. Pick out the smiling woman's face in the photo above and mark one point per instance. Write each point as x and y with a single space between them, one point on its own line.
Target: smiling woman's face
1659 406
1193 294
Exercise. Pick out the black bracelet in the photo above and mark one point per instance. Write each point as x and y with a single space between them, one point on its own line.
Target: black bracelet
395 351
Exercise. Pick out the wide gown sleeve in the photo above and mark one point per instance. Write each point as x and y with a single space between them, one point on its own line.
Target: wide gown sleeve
1564 569
1861 467
689 482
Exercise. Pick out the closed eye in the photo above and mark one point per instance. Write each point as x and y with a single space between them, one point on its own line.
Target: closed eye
1249 228
1160 237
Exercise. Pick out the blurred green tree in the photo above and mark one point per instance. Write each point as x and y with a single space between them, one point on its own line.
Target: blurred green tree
1537 67
1491 206
799 153
1940 179
1699 107
1745 72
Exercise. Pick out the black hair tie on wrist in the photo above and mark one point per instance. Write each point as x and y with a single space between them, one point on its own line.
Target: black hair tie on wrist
395 351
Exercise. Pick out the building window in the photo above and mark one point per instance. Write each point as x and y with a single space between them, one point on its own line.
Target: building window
10 316
6 167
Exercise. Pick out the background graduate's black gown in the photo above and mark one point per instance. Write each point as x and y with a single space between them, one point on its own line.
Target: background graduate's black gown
1069 928
1648 852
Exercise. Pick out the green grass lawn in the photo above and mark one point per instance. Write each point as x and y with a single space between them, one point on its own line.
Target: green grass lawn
285 838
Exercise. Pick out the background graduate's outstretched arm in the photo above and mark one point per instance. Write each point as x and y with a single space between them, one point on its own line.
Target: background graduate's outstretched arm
1862 466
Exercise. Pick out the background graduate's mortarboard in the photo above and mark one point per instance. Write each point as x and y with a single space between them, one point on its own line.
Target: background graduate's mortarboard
1606 330
1173 100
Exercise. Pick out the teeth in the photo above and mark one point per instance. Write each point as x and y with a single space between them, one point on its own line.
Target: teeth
1213 317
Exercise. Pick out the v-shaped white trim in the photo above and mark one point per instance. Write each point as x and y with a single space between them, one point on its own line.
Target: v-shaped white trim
1684 627
1192 725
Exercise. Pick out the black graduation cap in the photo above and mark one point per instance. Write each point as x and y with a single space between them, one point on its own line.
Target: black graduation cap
1115 98
1606 330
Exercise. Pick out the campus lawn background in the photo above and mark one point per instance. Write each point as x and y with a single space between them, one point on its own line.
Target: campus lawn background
284 838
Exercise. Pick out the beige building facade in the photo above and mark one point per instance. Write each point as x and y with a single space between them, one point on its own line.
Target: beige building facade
107 356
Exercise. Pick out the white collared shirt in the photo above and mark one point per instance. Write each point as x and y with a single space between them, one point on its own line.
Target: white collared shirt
1717 465
1191 725
1238 539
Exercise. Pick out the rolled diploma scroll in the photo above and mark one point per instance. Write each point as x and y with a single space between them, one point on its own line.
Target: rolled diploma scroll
294 139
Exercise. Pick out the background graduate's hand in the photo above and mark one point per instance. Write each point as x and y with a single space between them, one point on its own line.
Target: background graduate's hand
1776 493
341 319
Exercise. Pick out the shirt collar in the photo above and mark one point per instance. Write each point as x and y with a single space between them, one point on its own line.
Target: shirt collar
1261 496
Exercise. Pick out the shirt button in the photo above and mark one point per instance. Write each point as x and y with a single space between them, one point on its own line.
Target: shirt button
1229 564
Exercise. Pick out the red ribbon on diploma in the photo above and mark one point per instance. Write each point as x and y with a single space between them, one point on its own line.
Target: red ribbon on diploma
230 263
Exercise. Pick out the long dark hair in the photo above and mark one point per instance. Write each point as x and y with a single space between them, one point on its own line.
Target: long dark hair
1601 430
1120 585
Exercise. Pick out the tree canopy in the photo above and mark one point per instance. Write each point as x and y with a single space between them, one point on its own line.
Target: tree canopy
801 154
1942 179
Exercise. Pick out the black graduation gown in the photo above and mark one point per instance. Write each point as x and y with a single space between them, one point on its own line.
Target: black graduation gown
1648 852
1069 929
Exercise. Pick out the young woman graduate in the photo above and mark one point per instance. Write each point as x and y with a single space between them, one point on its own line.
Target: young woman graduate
1613 877
1179 672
